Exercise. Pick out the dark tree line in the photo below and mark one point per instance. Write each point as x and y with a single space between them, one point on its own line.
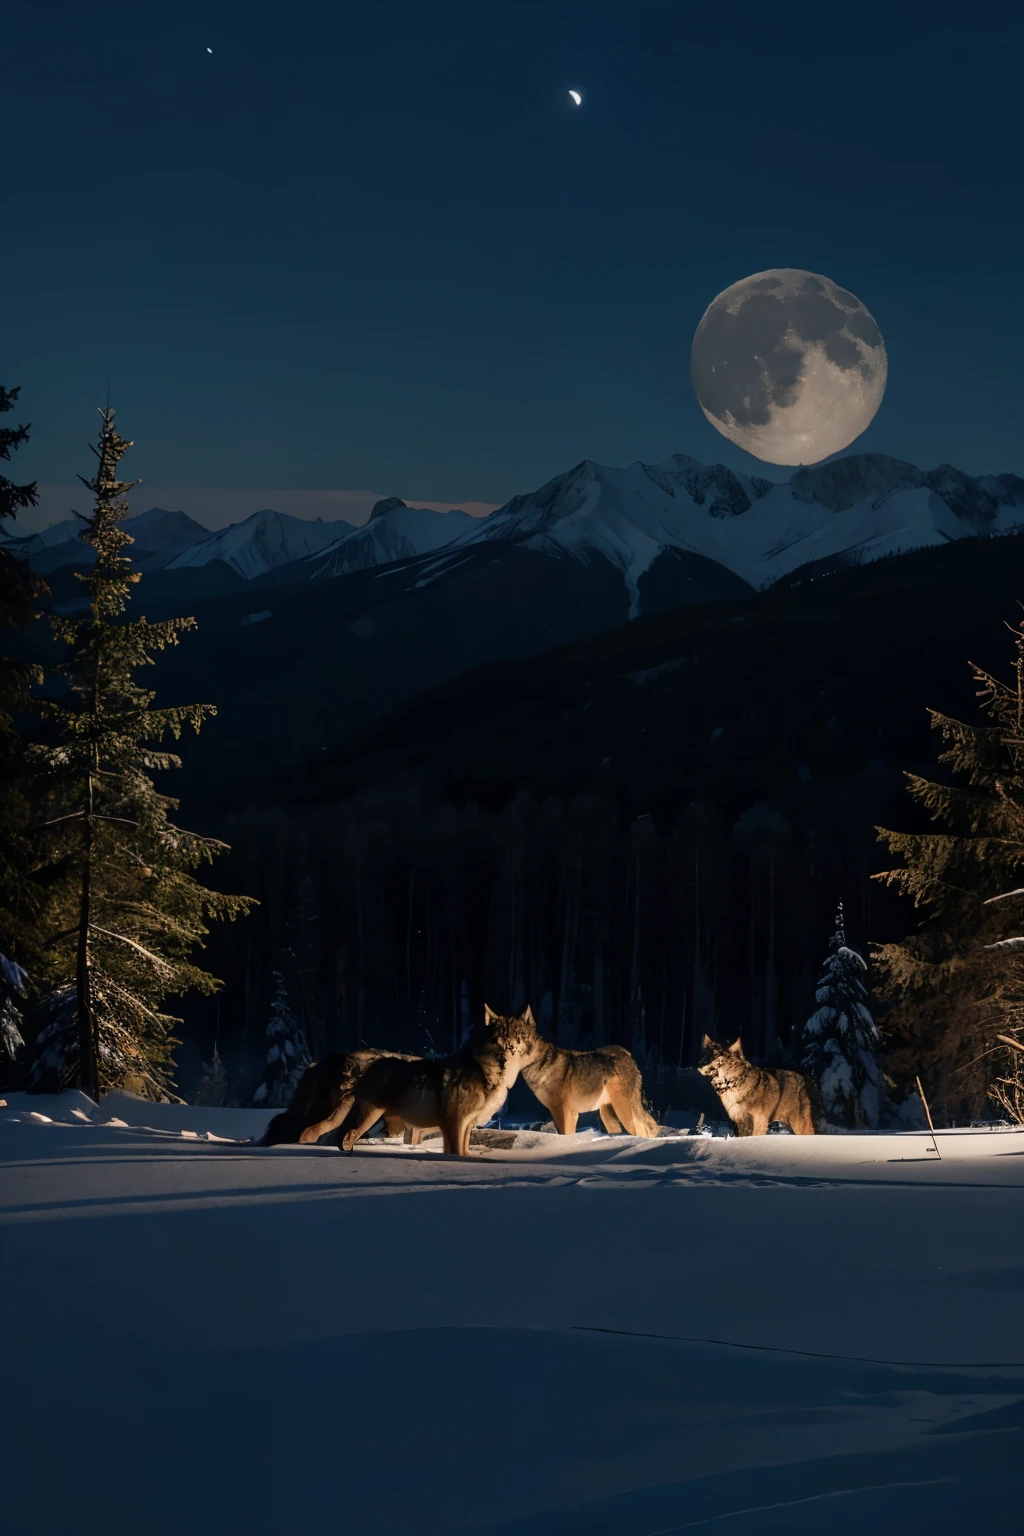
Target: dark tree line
393 923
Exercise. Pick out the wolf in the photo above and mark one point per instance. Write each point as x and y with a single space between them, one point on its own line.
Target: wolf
753 1097
570 1083
455 1092
323 1097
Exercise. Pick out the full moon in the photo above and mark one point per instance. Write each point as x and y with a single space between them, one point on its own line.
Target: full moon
789 366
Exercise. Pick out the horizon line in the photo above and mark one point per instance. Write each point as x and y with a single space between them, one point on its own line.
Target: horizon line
220 508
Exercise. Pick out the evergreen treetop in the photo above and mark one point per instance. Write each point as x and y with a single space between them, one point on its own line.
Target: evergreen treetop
13 497
957 980
124 910
213 1085
840 1039
287 1052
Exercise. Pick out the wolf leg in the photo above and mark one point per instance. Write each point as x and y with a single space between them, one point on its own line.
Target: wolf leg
609 1119
334 1118
461 1131
361 1119
623 1107
450 1135
569 1119
560 1115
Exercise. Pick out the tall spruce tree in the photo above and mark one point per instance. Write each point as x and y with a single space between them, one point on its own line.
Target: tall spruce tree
840 1039
287 1052
957 982
19 897
124 910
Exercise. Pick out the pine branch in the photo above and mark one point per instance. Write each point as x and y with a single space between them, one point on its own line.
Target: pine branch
160 965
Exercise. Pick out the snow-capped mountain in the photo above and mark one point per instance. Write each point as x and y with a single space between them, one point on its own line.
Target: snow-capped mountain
394 532
580 557
855 509
158 536
261 543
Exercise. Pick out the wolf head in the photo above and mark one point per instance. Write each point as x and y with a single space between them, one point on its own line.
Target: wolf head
724 1064
516 1034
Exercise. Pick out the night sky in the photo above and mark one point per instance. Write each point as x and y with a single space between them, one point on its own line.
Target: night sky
373 246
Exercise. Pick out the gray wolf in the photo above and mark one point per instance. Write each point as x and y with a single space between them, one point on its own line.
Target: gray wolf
322 1099
752 1096
571 1083
455 1092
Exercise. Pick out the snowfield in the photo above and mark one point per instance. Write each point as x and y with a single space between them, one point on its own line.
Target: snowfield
557 1335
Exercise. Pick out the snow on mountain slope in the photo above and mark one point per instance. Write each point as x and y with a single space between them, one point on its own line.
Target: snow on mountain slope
861 507
261 543
394 532
158 536
57 533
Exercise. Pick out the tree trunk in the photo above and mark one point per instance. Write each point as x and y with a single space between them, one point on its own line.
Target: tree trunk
408 937
87 1064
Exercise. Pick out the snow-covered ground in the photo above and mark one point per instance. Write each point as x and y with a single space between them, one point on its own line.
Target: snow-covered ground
561 1335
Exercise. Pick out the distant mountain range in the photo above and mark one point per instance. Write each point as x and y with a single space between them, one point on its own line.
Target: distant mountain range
174 541
159 536
311 630
859 508
262 543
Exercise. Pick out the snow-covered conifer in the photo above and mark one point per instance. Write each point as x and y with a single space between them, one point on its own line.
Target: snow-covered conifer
13 985
840 1039
287 1052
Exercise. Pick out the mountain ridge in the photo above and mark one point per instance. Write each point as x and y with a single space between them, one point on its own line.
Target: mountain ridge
865 506
852 509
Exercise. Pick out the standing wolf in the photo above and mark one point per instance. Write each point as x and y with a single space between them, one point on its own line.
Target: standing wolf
571 1083
455 1092
323 1097
753 1097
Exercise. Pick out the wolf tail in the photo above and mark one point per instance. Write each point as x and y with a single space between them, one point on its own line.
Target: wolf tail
636 1105
646 1115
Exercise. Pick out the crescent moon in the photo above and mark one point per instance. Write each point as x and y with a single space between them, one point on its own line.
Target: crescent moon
577 98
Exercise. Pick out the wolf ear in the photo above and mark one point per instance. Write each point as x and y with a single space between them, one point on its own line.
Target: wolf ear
490 1016
528 1018
736 1049
707 1042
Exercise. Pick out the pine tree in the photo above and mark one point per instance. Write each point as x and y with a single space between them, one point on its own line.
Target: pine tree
13 987
840 1039
124 911
958 981
19 897
287 1052
213 1085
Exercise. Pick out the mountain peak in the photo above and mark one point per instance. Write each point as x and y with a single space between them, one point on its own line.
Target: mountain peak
382 508
261 542
841 483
